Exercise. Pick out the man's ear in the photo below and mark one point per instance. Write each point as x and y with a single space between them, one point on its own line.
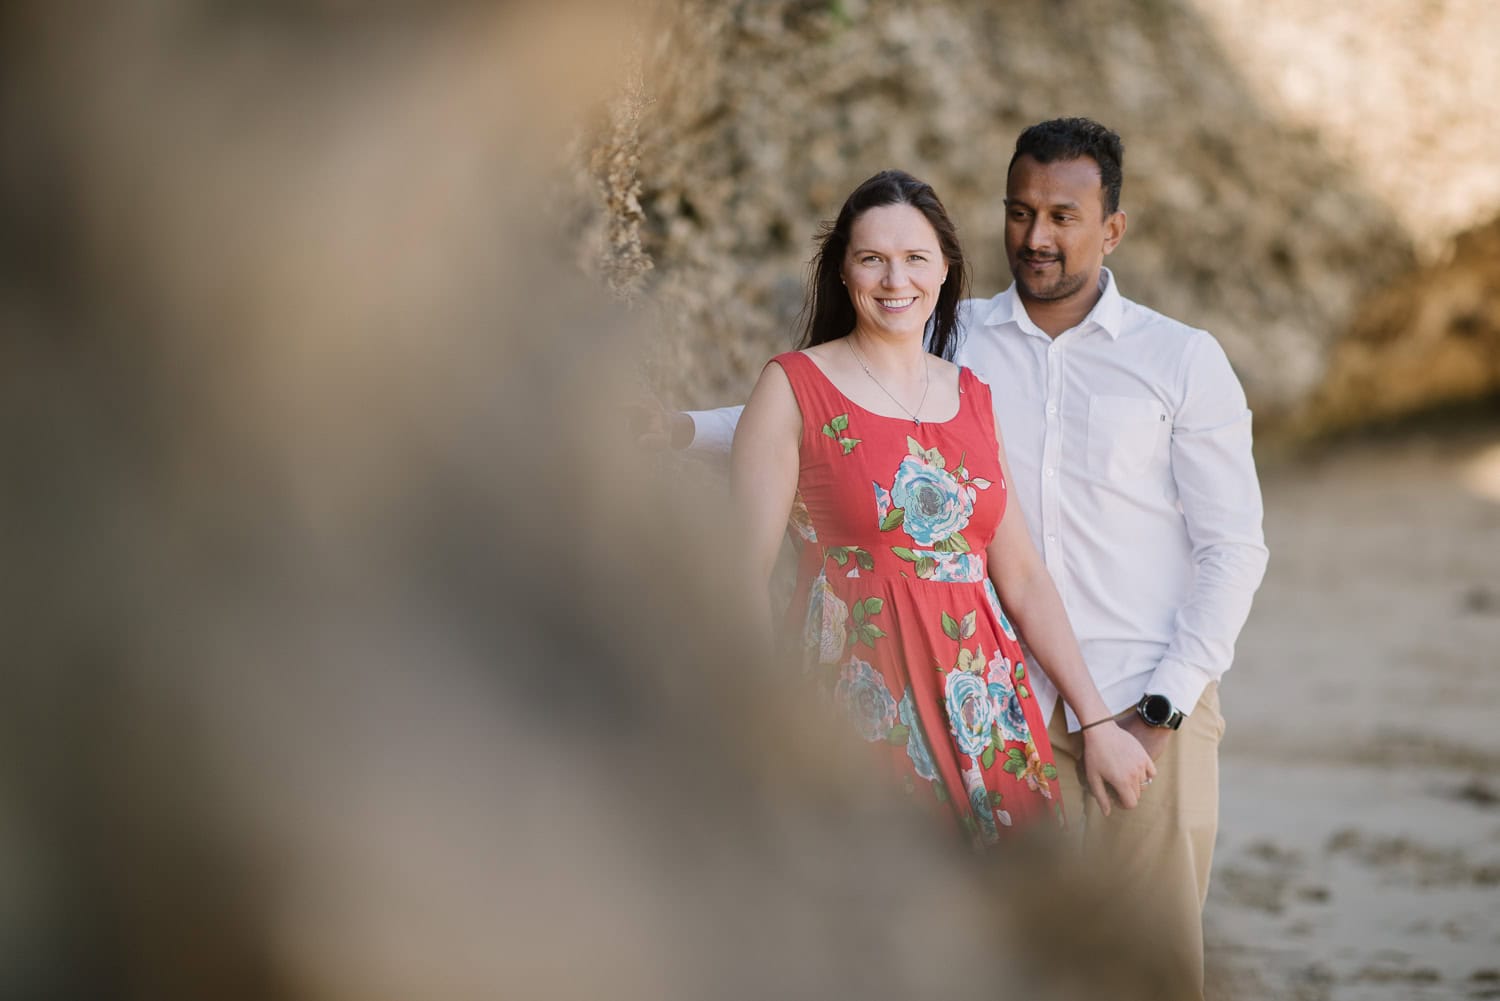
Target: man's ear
1114 231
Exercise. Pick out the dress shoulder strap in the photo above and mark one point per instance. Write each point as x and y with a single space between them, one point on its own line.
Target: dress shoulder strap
972 385
795 364
808 381
817 398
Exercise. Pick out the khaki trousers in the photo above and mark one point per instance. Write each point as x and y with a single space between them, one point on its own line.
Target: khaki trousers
1158 855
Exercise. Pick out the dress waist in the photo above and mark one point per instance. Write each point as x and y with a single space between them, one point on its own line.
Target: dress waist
887 561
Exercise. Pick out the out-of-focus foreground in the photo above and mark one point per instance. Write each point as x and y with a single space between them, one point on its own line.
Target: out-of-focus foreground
350 650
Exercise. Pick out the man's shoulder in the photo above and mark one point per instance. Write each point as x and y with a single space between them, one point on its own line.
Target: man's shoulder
1167 340
1138 318
1179 353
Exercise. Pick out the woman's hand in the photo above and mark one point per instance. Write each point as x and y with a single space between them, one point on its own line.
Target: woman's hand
1113 759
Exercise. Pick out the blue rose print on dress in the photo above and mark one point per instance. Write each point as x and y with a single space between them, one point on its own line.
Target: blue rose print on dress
979 800
983 805
862 692
935 505
916 741
971 711
932 504
1012 719
882 502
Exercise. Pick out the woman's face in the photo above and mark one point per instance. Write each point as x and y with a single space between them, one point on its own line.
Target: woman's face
893 270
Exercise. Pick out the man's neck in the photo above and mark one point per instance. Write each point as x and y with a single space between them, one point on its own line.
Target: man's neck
1055 317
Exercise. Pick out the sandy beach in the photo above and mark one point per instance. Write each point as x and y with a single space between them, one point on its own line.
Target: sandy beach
1359 848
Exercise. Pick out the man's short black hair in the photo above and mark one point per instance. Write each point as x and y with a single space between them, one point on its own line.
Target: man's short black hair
1071 139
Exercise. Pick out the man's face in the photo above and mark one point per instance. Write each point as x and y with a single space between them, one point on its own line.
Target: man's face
1056 232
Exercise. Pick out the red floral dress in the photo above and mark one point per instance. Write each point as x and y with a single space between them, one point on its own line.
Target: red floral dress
897 617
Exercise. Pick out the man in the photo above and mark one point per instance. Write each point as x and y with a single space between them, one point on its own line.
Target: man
1129 443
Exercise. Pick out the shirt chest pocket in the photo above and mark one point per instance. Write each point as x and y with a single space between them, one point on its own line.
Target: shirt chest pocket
1127 435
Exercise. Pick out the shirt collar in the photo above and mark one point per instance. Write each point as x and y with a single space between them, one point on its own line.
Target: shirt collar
1106 314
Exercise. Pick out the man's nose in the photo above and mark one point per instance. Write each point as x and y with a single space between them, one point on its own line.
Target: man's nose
1038 235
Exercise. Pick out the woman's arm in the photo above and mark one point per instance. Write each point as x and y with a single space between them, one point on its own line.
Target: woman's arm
763 468
1112 758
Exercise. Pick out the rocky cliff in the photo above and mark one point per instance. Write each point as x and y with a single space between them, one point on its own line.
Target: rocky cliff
1298 179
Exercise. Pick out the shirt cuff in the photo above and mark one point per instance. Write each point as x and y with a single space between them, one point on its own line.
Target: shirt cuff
1181 682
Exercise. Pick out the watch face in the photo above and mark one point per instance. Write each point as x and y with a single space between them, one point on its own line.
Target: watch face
1156 709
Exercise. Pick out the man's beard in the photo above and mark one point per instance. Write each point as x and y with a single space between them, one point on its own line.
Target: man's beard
1062 287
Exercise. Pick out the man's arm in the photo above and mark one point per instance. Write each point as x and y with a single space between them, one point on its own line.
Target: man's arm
706 432
713 430
1214 471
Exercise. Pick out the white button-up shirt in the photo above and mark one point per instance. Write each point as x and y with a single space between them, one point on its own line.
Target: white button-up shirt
1129 445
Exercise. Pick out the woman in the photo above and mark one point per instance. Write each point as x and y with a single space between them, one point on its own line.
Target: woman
889 461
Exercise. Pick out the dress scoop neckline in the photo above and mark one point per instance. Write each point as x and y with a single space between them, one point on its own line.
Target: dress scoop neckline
963 373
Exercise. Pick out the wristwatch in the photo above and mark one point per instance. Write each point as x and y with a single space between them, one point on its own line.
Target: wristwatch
1158 711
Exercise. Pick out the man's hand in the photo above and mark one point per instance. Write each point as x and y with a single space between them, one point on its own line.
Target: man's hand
656 428
1153 738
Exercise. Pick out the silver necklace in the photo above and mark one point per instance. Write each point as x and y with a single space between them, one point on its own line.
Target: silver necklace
926 369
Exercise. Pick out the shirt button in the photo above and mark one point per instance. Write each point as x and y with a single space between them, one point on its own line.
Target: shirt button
1050 472
1051 538
1051 409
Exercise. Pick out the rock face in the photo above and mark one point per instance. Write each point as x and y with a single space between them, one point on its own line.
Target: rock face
1432 335
1284 164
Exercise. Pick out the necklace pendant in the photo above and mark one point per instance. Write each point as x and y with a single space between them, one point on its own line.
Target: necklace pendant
917 421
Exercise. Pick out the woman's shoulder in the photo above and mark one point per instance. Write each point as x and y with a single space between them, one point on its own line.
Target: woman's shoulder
943 368
950 373
823 354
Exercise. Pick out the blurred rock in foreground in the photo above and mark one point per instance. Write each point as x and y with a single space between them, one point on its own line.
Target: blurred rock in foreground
350 650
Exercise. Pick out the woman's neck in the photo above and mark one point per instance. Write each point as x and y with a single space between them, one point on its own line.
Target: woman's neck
885 353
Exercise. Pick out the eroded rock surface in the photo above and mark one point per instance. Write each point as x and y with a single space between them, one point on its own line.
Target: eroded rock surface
1292 173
